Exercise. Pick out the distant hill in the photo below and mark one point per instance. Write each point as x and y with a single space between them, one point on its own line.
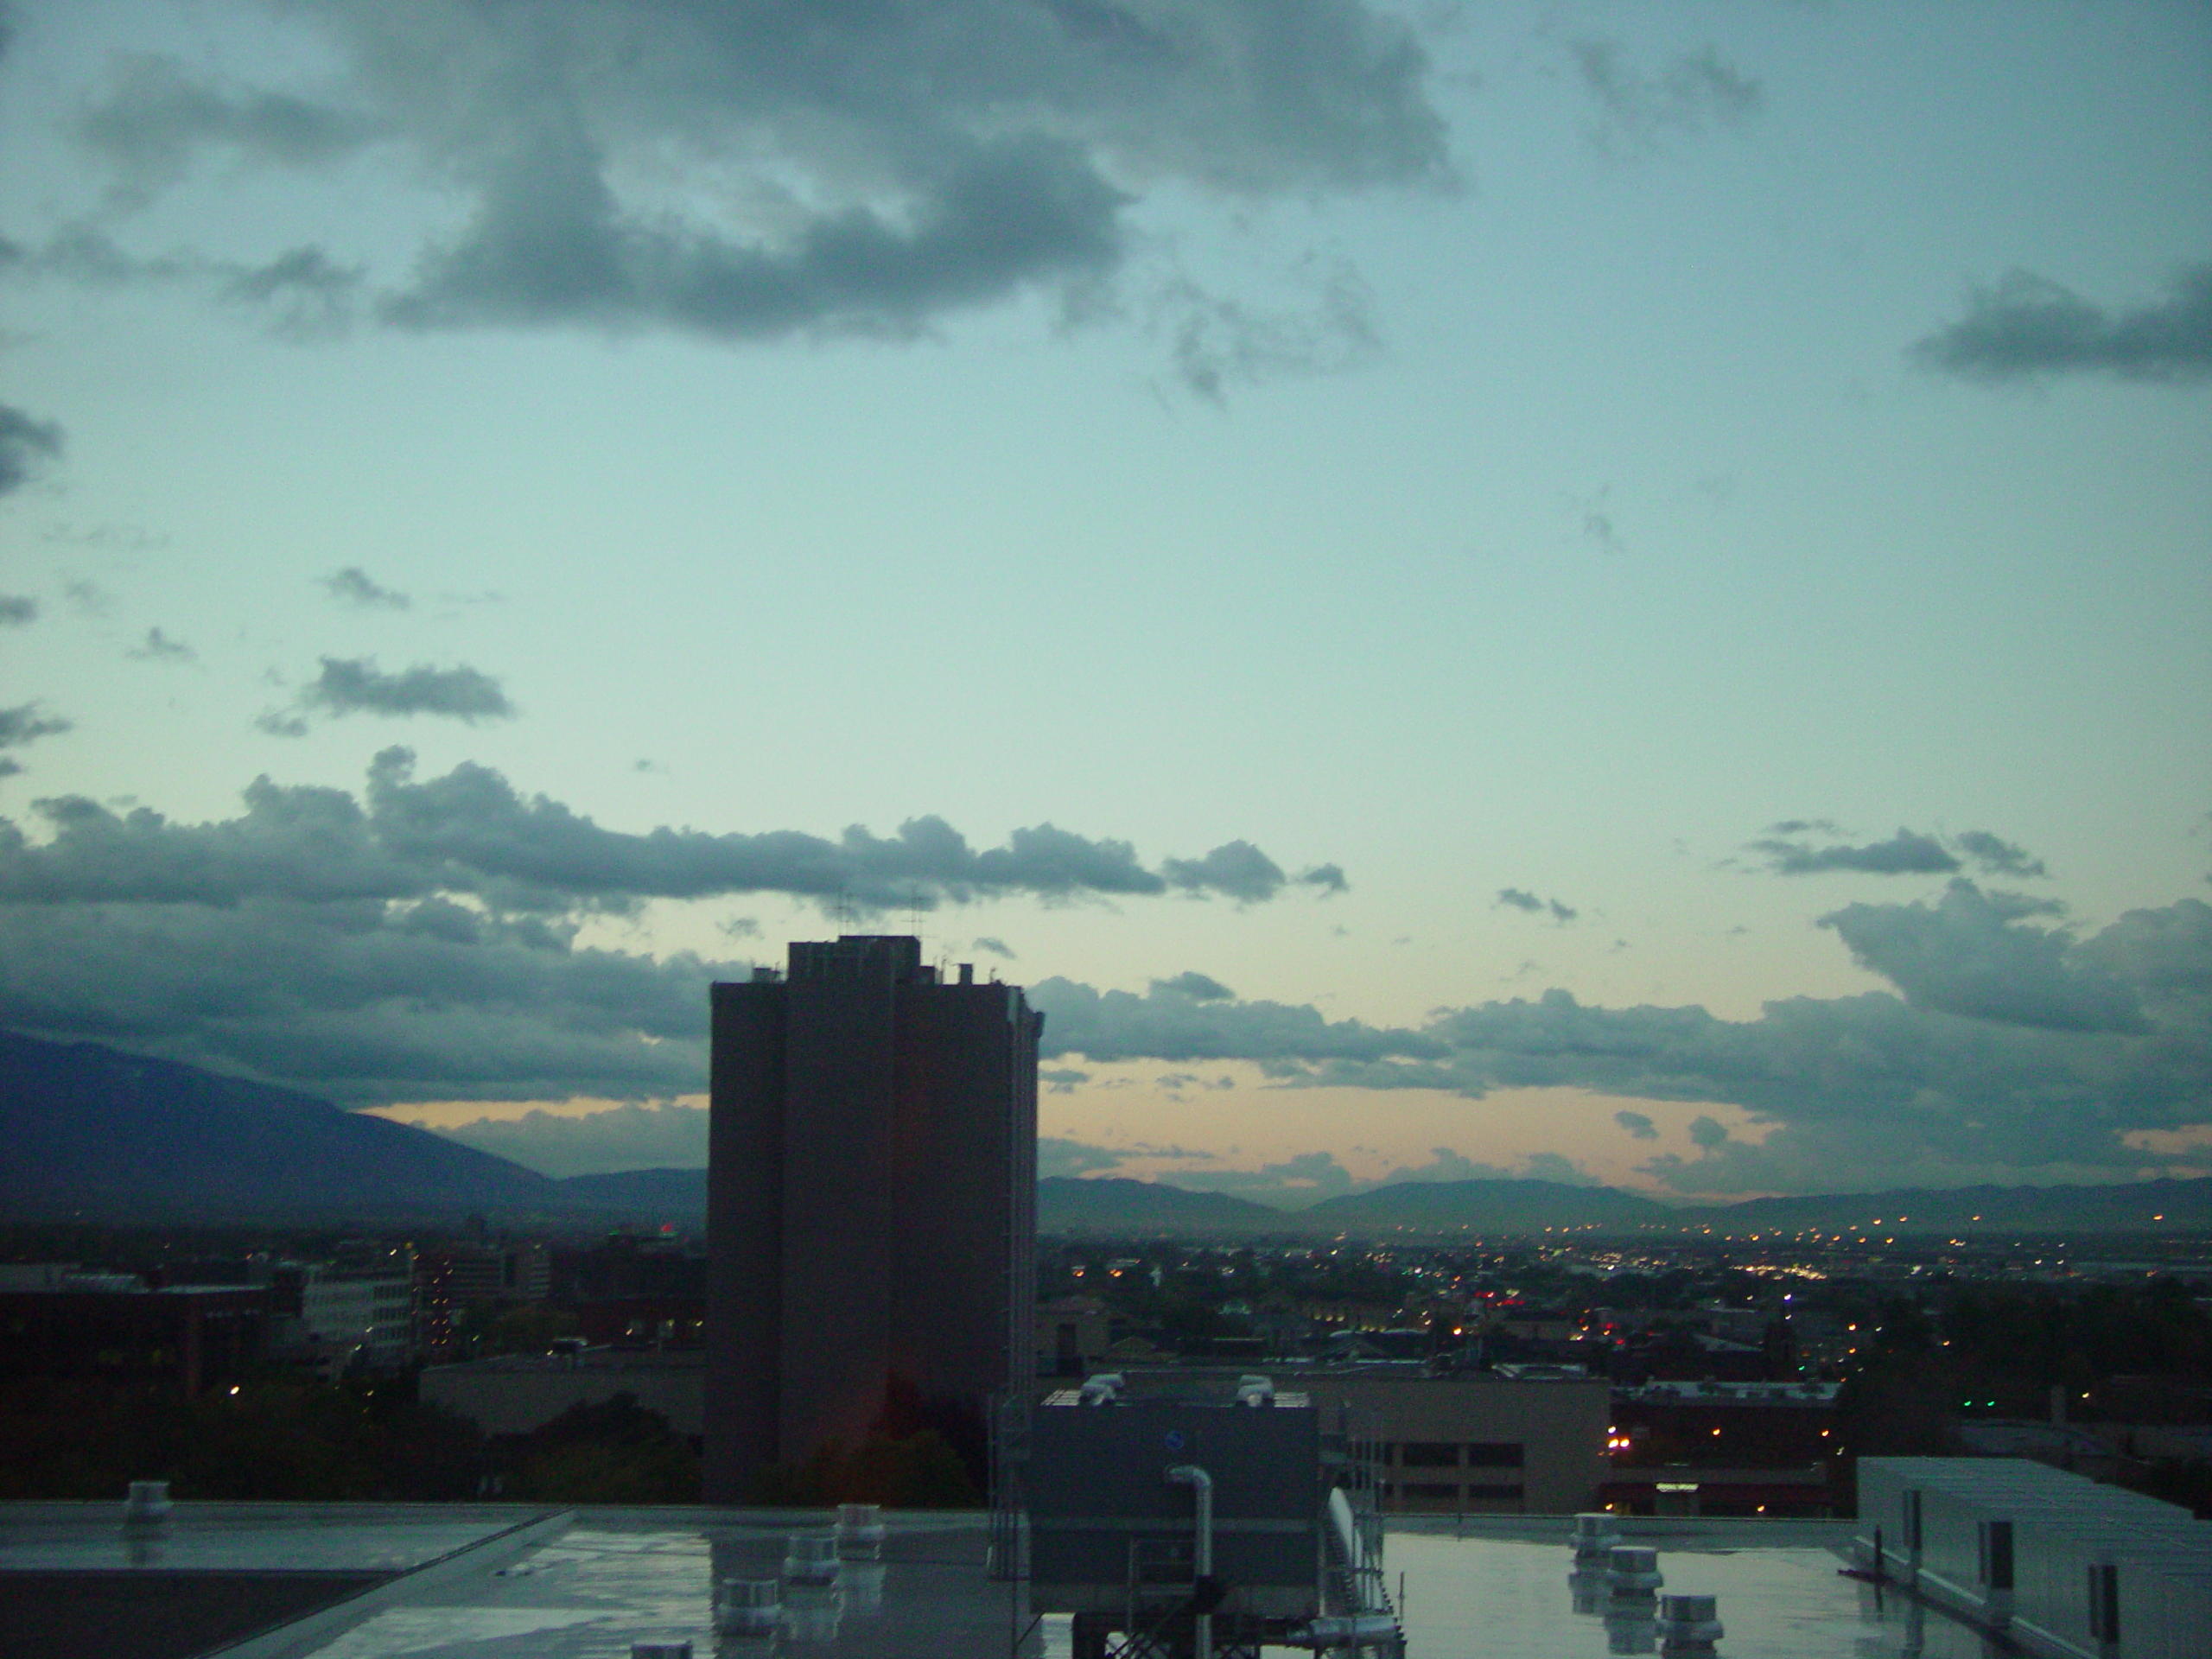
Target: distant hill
1113 1203
90 1131
644 1194
1485 1206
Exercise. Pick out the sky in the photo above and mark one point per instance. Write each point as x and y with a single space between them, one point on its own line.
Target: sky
1609 593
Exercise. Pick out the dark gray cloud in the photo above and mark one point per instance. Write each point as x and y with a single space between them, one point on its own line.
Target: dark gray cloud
1058 1156
1972 953
1215 341
990 946
16 611
362 1002
1520 899
471 832
1994 856
26 723
1196 986
1909 852
356 685
1641 109
158 647
1638 1124
1906 853
1169 1023
2025 327
1237 869
304 294
25 445
354 586
154 116
1061 1079
750 171
1329 878
2010 1048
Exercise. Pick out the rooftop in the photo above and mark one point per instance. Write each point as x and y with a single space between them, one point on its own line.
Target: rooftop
496 1581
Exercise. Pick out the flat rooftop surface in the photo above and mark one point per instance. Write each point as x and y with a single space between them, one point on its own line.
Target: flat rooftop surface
508 1581
250 1537
614 1579
1506 1598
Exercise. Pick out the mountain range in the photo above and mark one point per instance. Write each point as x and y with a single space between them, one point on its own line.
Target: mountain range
94 1132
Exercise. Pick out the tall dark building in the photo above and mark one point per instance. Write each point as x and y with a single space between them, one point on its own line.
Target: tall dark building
871 1208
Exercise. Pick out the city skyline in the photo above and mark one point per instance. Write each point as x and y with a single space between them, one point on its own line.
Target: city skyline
1571 590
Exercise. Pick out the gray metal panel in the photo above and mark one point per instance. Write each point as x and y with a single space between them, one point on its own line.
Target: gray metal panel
1097 1481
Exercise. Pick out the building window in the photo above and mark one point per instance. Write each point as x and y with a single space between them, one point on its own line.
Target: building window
1430 1454
1493 1494
1496 1454
1428 1489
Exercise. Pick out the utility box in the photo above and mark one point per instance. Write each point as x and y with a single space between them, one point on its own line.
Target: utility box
1113 1540
1103 1517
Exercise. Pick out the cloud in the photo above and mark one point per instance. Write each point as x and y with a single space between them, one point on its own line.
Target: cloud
1305 1179
1696 90
1707 1132
362 1001
1058 1156
16 611
1329 878
2012 1050
1994 856
1197 987
25 445
1906 853
158 647
2024 327
990 946
1170 1023
154 116
1061 1079
657 1134
1971 954
1215 341
88 598
1237 869
26 723
1638 1124
754 171
471 833
1520 899
356 685
353 587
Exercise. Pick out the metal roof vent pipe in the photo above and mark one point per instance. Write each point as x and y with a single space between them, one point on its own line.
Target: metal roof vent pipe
1103 1389
1201 1485
810 1559
1596 1532
1688 1625
1255 1391
148 1504
859 1532
1632 1570
750 1607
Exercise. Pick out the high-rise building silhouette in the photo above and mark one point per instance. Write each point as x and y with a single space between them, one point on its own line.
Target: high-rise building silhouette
871 1201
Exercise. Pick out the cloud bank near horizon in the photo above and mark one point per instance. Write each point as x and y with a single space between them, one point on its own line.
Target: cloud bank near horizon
422 941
